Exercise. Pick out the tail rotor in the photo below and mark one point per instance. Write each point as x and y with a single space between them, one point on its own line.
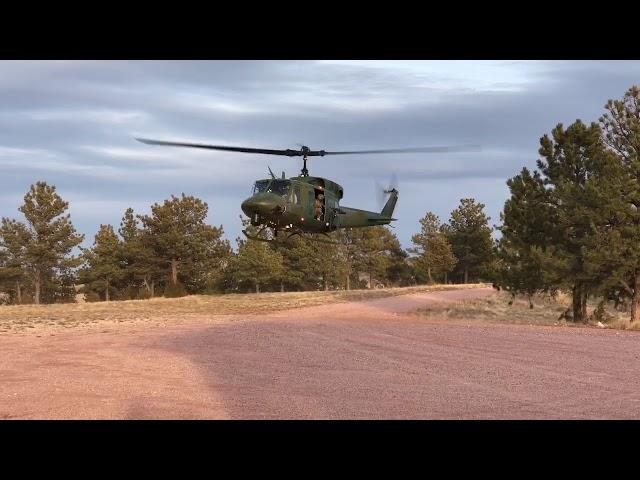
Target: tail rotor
382 192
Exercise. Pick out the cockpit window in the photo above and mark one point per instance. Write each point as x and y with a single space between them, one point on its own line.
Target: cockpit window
260 186
281 187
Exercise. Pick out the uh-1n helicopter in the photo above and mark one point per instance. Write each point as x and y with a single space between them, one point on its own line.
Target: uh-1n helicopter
304 204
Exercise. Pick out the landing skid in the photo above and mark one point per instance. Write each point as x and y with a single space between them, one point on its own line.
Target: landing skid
303 235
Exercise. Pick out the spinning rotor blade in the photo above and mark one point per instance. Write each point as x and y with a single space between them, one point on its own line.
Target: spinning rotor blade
306 152
460 148
288 153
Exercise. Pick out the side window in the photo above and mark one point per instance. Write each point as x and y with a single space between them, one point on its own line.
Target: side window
295 195
312 200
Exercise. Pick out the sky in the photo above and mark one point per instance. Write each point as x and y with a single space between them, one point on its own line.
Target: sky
73 123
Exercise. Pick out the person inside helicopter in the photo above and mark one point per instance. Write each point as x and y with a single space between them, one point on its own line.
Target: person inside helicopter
319 206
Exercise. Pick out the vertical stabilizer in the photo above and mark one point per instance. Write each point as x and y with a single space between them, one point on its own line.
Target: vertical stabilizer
387 210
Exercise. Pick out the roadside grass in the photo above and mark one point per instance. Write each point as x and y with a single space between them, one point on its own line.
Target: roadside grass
496 309
622 323
19 318
546 311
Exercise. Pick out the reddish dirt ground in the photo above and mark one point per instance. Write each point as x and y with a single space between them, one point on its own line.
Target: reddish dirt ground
369 360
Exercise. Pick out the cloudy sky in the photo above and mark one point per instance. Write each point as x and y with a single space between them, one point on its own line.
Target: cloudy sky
72 123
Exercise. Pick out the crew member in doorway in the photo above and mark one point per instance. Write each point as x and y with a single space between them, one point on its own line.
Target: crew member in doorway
319 205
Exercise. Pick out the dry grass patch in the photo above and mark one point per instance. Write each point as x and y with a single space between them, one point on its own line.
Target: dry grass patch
546 311
623 323
17 318
496 309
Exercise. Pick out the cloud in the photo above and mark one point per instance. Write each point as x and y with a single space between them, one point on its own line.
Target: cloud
72 124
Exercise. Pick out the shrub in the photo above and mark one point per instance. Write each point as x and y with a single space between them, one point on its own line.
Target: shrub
600 314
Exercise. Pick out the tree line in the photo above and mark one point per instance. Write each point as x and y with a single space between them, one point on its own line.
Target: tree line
173 252
572 224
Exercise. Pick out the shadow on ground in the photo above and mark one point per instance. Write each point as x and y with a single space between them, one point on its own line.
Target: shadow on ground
376 367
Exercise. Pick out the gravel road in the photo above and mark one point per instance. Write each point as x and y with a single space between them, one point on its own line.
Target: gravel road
369 360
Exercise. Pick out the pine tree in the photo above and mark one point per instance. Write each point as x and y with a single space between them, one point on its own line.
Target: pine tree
298 257
5 277
368 249
529 231
14 237
142 268
206 274
179 237
346 253
327 262
617 247
49 238
434 253
104 261
469 235
376 252
573 165
256 264
397 270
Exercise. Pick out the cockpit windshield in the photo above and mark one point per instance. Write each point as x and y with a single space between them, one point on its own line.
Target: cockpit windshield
281 187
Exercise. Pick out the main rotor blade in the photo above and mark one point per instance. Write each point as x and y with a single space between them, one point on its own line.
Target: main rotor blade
288 153
459 148
304 151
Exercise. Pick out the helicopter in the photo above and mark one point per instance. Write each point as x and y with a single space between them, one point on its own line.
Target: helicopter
306 205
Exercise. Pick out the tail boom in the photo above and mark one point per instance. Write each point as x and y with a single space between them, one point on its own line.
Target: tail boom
355 218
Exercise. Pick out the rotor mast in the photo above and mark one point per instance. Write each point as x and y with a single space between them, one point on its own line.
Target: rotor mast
304 172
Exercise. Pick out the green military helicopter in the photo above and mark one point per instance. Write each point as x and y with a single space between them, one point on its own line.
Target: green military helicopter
306 205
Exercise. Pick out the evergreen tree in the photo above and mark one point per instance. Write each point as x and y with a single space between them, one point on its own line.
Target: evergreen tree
299 262
529 232
141 267
49 237
14 237
313 265
573 166
5 278
346 253
617 249
179 237
397 270
328 263
256 264
104 261
368 249
376 252
469 235
433 250
207 273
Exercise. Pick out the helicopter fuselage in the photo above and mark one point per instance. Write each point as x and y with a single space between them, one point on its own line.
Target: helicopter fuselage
308 204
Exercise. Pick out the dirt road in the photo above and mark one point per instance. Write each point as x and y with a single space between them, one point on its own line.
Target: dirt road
352 360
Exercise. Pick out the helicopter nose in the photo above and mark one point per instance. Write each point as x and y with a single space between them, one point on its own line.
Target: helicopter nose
262 204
